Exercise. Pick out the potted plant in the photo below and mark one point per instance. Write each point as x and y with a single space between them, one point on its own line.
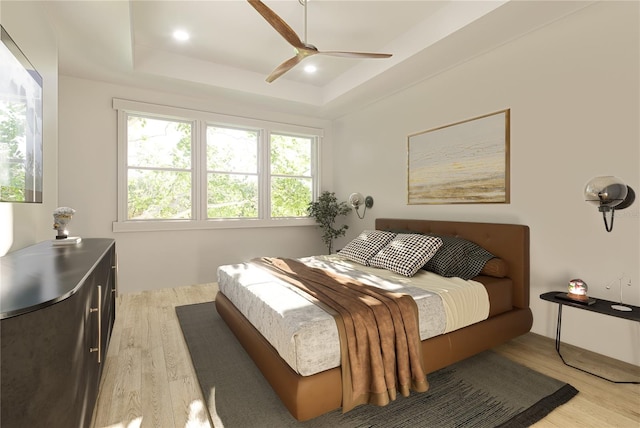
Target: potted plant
324 211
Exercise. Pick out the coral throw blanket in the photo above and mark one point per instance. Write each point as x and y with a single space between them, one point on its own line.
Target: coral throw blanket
379 334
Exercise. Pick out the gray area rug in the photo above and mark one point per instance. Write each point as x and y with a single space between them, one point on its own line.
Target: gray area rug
487 390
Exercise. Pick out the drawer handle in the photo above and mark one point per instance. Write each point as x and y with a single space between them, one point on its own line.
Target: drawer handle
99 311
115 280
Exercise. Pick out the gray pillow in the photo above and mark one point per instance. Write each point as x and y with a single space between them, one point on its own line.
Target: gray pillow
458 257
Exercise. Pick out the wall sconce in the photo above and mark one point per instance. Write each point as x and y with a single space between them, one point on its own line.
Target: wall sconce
609 193
356 199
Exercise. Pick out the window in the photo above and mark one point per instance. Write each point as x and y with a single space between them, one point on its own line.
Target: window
232 173
233 181
291 175
158 169
181 168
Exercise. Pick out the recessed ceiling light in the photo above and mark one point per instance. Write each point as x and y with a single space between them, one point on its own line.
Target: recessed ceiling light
181 35
310 68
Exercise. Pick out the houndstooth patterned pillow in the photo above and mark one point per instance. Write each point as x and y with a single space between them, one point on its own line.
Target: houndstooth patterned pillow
458 257
366 245
406 253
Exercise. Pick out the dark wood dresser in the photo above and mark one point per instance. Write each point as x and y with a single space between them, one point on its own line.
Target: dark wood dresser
57 309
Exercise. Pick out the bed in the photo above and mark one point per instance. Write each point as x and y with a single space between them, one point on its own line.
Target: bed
509 315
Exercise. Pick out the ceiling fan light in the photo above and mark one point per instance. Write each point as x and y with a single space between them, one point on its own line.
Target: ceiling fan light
181 35
310 68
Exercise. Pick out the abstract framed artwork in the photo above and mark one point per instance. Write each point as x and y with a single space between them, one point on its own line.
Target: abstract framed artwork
465 162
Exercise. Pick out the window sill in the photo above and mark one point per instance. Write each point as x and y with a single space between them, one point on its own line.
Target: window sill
170 225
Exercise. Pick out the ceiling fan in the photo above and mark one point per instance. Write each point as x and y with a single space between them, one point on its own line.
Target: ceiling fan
303 49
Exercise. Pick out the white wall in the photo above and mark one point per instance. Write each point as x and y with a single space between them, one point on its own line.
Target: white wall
25 224
573 90
152 260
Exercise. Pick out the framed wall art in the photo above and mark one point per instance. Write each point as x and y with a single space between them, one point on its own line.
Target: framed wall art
20 125
462 163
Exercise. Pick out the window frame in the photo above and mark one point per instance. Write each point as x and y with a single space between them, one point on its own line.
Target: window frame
269 175
200 120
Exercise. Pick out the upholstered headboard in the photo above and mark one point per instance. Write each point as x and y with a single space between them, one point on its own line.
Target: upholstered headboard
510 242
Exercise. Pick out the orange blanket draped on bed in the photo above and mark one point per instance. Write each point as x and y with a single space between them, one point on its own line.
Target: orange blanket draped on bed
379 333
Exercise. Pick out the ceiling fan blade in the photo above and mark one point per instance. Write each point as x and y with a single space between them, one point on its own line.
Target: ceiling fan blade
277 23
355 54
284 67
303 49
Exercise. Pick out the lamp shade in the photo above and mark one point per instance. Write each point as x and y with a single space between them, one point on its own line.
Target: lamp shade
605 191
356 199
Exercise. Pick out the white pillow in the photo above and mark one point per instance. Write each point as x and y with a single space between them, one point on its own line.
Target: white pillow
406 253
366 245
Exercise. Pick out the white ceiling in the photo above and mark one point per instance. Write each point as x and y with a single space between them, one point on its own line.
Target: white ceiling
232 48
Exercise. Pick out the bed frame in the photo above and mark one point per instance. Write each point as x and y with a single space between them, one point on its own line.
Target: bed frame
307 397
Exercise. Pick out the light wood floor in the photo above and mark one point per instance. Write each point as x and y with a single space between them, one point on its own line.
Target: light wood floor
148 380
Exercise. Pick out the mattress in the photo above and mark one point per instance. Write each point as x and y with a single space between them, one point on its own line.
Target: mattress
306 336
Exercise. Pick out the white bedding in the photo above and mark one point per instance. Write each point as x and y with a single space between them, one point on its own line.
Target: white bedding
306 336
